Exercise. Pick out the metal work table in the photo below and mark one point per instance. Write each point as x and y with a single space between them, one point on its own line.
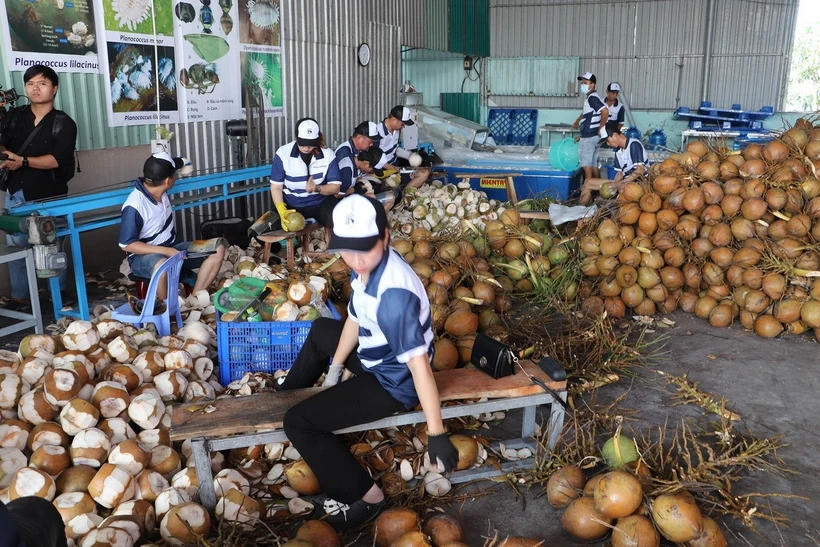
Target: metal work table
87 212
563 128
26 320
728 135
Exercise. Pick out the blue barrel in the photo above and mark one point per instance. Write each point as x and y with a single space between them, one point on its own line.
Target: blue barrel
657 139
633 133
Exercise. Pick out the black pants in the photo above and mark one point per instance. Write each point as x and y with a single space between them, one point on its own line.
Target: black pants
310 424
38 522
322 211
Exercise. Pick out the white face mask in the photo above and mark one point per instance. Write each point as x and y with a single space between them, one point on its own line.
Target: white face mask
584 88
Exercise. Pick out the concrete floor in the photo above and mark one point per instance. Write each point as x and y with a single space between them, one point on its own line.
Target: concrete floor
772 384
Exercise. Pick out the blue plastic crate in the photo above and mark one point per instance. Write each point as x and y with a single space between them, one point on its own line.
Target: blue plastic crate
259 347
513 126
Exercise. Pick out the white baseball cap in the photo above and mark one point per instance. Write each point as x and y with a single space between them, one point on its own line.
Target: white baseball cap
359 223
614 86
587 76
307 132
403 114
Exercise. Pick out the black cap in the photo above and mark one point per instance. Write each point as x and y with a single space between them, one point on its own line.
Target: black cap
376 158
359 223
368 129
402 113
161 166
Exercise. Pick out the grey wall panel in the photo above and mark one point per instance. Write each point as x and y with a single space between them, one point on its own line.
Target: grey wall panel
670 28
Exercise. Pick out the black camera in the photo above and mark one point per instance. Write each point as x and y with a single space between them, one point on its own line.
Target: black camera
8 96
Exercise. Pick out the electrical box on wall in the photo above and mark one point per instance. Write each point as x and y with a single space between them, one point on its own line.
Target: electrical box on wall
468 63
160 145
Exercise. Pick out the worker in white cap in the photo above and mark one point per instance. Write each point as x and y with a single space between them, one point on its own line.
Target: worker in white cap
390 131
615 121
387 343
630 165
365 134
305 176
592 123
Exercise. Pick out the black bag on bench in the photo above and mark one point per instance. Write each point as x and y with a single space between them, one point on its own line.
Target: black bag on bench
234 229
492 357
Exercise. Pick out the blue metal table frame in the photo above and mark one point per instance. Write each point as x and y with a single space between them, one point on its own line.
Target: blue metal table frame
76 210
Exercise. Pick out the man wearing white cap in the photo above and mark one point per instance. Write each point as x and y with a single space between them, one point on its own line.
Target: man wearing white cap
387 342
365 134
390 131
305 176
148 230
630 165
615 120
592 123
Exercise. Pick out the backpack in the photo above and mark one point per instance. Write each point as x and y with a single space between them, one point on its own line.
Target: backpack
66 172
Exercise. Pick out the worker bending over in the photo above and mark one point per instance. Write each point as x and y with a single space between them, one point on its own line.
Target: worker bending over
390 131
358 156
630 165
387 342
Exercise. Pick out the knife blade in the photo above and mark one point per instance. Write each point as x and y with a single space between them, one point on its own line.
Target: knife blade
252 305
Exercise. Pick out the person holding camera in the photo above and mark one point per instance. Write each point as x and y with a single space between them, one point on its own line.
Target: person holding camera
38 142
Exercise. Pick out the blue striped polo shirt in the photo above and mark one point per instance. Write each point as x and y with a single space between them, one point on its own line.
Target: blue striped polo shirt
146 219
290 171
627 159
395 325
346 157
591 121
389 144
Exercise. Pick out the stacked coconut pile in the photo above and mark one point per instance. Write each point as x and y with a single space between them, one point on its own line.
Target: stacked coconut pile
726 236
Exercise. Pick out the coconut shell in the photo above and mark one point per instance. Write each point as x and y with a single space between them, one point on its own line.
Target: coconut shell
677 517
583 522
393 524
565 485
461 323
443 529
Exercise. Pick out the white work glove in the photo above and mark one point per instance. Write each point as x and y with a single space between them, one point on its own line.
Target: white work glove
602 133
334 374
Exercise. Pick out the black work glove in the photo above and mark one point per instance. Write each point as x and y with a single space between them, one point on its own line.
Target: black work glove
439 447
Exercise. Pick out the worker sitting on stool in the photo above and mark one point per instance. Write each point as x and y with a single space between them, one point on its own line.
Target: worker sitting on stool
387 342
305 176
630 165
390 131
148 231
592 123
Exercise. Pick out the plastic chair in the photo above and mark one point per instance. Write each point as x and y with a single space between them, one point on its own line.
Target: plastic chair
172 267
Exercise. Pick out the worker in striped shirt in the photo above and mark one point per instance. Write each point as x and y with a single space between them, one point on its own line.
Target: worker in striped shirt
592 123
630 165
387 342
390 131
349 154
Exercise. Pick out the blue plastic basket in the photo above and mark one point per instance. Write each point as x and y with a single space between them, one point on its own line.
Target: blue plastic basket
564 155
259 347
513 126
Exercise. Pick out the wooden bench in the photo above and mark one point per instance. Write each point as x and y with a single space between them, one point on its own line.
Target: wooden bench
257 419
288 237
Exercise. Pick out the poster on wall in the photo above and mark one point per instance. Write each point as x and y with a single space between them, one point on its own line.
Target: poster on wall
61 34
138 59
260 34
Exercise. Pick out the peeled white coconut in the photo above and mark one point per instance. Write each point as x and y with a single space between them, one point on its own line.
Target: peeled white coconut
168 499
29 481
111 486
187 480
34 408
146 411
179 360
51 459
414 160
74 504
81 525
199 331
229 479
47 433
145 389
154 437
217 462
286 311
123 349
78 415
117 430
125 374
129 523
87 392
8 361
297 506
145 338
109 329
11 460
76 361
194 515
436 484
90 447
165 460
33 370
235 506
171 385
199 390
195 349
141 509
171 342
300 293
33 342
14 434
203 368
61 385
149 364
99 359
108 537
12 388
111 398
131 455
80 336
150 484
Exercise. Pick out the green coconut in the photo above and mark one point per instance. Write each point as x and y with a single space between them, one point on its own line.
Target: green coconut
619 450
558 255
296 221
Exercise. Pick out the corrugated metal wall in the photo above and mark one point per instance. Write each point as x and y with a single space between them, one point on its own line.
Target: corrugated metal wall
641 44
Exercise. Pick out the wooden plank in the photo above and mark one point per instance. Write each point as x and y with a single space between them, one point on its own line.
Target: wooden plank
543 215
265 411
